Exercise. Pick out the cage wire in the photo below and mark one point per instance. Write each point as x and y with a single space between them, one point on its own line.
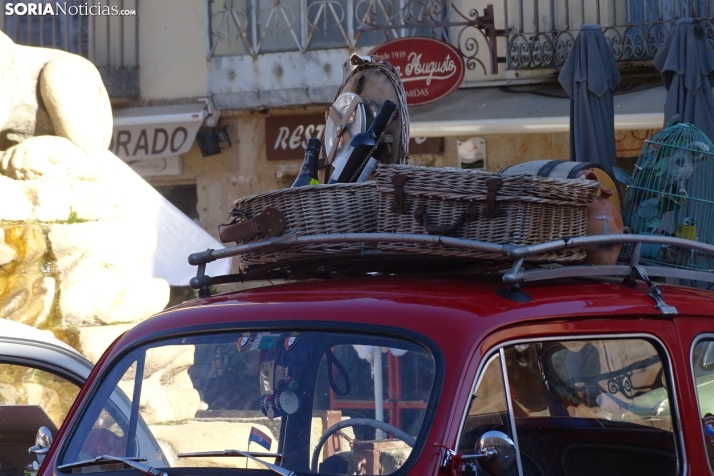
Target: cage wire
673 194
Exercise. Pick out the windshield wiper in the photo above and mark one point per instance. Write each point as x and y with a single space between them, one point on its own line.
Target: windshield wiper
132 462
245 454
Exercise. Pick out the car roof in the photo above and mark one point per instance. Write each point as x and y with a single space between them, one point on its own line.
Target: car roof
41 348
15 330
419 304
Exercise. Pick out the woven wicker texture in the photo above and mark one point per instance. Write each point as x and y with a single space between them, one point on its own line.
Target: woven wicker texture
530 209
315 210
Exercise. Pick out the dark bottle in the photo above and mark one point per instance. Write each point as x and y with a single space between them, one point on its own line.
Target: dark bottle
308 172
353 159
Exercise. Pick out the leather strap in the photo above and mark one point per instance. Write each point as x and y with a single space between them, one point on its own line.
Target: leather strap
493 185
422 218
399 205
341 125
267 224
579 168
548 167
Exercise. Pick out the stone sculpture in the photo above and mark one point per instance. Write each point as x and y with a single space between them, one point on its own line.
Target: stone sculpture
76 232
74 240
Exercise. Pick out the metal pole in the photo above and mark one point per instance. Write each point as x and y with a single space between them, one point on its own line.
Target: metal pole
352 41
42 29
109 31
17 28
54 31
567 14
520 6
378 392
121 40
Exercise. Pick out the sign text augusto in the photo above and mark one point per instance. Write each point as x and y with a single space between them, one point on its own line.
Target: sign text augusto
429 69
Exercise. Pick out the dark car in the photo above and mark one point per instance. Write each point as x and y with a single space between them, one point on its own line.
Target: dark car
419 366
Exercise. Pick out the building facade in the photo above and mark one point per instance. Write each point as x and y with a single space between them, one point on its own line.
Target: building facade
214 99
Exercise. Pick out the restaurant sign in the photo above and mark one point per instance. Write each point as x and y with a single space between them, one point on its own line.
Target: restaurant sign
142 133
286 137
430 69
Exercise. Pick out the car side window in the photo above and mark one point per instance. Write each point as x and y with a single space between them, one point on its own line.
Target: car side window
703 368
586 407
29 398
488 410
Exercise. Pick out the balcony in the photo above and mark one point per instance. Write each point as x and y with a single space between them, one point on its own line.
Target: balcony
108 41
255 27
496 40
540 33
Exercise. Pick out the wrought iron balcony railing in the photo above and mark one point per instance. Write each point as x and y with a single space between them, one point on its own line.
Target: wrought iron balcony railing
540 33
252 27
110 41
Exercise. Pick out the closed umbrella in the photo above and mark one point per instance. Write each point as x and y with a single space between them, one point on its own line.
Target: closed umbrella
686 61
589 76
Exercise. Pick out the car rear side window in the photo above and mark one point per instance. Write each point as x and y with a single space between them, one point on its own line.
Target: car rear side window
703 369
29 398
582 407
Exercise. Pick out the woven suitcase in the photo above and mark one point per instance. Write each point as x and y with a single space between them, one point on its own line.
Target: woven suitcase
481 206
314 210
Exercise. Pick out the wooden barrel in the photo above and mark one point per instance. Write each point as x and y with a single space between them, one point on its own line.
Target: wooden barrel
567 169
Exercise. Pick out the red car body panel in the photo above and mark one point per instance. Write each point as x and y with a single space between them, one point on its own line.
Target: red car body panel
465 318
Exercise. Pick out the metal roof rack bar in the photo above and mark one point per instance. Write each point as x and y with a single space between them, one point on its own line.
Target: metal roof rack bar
282 242
556 245
514 252
518 254
521 253
613 270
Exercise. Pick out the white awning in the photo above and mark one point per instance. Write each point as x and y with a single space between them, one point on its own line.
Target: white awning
485 111
177 236
155 131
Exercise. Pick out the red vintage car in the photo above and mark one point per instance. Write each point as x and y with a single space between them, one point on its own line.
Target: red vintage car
409 366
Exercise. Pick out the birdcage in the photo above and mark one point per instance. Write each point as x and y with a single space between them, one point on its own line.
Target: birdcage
673 194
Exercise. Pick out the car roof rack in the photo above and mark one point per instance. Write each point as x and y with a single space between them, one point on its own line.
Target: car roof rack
519 272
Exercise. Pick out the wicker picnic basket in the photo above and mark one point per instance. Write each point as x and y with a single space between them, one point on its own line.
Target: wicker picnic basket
314 210
518 210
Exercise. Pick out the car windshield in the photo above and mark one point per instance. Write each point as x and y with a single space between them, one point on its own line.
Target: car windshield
308 401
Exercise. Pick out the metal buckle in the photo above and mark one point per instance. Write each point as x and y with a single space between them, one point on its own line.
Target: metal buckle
655 292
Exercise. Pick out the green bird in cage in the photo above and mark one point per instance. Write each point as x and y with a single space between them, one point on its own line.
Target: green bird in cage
660 180
671 192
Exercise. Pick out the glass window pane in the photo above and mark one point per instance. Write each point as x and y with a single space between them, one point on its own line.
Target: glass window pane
488 411
29 398
703 366
591 407
296 395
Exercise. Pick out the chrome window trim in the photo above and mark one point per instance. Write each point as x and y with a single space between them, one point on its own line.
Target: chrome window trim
674 410
509 405
697 340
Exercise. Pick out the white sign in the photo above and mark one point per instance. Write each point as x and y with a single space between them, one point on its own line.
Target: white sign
472 153
160 166
154 132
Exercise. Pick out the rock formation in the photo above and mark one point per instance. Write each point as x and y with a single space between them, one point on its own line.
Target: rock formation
75 238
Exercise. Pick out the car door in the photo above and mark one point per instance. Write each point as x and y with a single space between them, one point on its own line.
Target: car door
38 384
582 397
697 343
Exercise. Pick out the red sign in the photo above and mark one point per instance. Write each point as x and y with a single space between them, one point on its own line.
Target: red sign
429 69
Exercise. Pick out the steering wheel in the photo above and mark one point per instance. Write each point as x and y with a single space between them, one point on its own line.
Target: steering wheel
386 427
